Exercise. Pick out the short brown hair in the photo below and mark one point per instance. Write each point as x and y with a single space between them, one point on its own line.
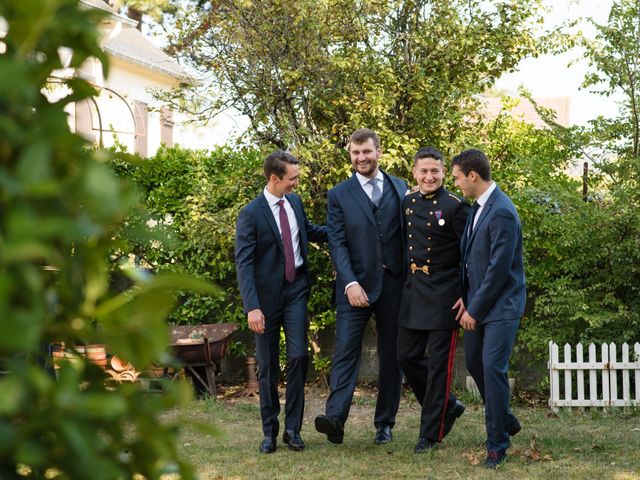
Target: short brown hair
473 160
276 163
362 135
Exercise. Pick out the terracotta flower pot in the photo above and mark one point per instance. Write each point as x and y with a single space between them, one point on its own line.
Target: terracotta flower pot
97 354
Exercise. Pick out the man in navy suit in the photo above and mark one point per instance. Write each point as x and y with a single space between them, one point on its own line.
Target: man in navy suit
493 294
364 219
271 264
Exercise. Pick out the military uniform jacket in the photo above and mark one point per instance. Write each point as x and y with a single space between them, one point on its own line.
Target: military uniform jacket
434 226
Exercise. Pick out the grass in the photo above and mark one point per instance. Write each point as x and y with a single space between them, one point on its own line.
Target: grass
571 445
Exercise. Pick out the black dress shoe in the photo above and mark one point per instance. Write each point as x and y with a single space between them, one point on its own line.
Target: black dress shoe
293 440
331 427
383 435
268 445
495 459
423 445
451 416
514 428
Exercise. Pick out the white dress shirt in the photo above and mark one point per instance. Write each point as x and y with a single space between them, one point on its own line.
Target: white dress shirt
367 187
482 200
293 223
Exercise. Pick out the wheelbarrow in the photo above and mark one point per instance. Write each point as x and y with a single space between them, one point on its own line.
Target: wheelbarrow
202 346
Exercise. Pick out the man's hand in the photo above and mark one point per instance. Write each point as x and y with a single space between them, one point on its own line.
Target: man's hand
467 321
255 319
460 306
357 296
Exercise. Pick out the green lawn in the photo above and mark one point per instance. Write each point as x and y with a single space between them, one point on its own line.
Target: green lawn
572 445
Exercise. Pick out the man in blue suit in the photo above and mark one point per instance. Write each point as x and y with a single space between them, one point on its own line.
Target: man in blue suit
493 294
271 263
364 218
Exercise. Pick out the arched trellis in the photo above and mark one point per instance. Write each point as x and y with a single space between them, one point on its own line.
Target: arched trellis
62 81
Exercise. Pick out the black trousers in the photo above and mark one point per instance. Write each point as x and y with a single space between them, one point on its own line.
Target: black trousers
426 358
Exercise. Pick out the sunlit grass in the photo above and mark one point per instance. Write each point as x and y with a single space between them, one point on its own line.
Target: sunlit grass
570 445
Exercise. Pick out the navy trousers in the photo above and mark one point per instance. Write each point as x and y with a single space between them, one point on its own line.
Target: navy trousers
487 350
350 324
291 316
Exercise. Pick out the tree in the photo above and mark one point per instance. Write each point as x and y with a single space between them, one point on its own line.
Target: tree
583 254
307 72
614 55
60 205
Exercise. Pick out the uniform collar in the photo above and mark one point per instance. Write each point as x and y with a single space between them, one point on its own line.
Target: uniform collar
431 195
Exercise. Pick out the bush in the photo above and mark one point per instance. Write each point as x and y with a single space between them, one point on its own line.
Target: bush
580 257
59 207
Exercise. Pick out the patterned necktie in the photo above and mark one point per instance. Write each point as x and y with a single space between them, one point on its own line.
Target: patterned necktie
289 260
376 193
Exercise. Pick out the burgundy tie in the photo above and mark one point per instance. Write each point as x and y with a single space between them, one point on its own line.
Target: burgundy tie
289 260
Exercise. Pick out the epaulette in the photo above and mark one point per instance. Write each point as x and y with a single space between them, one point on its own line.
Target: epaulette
410 193
455 197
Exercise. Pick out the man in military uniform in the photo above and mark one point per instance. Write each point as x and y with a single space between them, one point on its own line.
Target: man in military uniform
428 332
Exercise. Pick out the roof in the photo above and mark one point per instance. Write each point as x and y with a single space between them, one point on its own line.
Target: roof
131 45
526 111
99 4
104 6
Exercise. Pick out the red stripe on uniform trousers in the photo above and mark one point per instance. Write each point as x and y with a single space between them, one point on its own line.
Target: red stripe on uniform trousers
452 355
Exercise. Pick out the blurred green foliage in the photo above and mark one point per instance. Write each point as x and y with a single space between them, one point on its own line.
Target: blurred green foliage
60 205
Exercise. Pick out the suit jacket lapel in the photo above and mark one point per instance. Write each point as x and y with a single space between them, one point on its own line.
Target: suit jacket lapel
361 199
485 212
268 213
302 232
400 189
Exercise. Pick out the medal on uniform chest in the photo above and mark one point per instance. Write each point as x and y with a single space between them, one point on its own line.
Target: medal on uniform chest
438 215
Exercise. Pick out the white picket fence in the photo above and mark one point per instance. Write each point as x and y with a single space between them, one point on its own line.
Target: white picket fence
594 382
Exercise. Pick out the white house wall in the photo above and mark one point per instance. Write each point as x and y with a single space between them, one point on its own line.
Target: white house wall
132 82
